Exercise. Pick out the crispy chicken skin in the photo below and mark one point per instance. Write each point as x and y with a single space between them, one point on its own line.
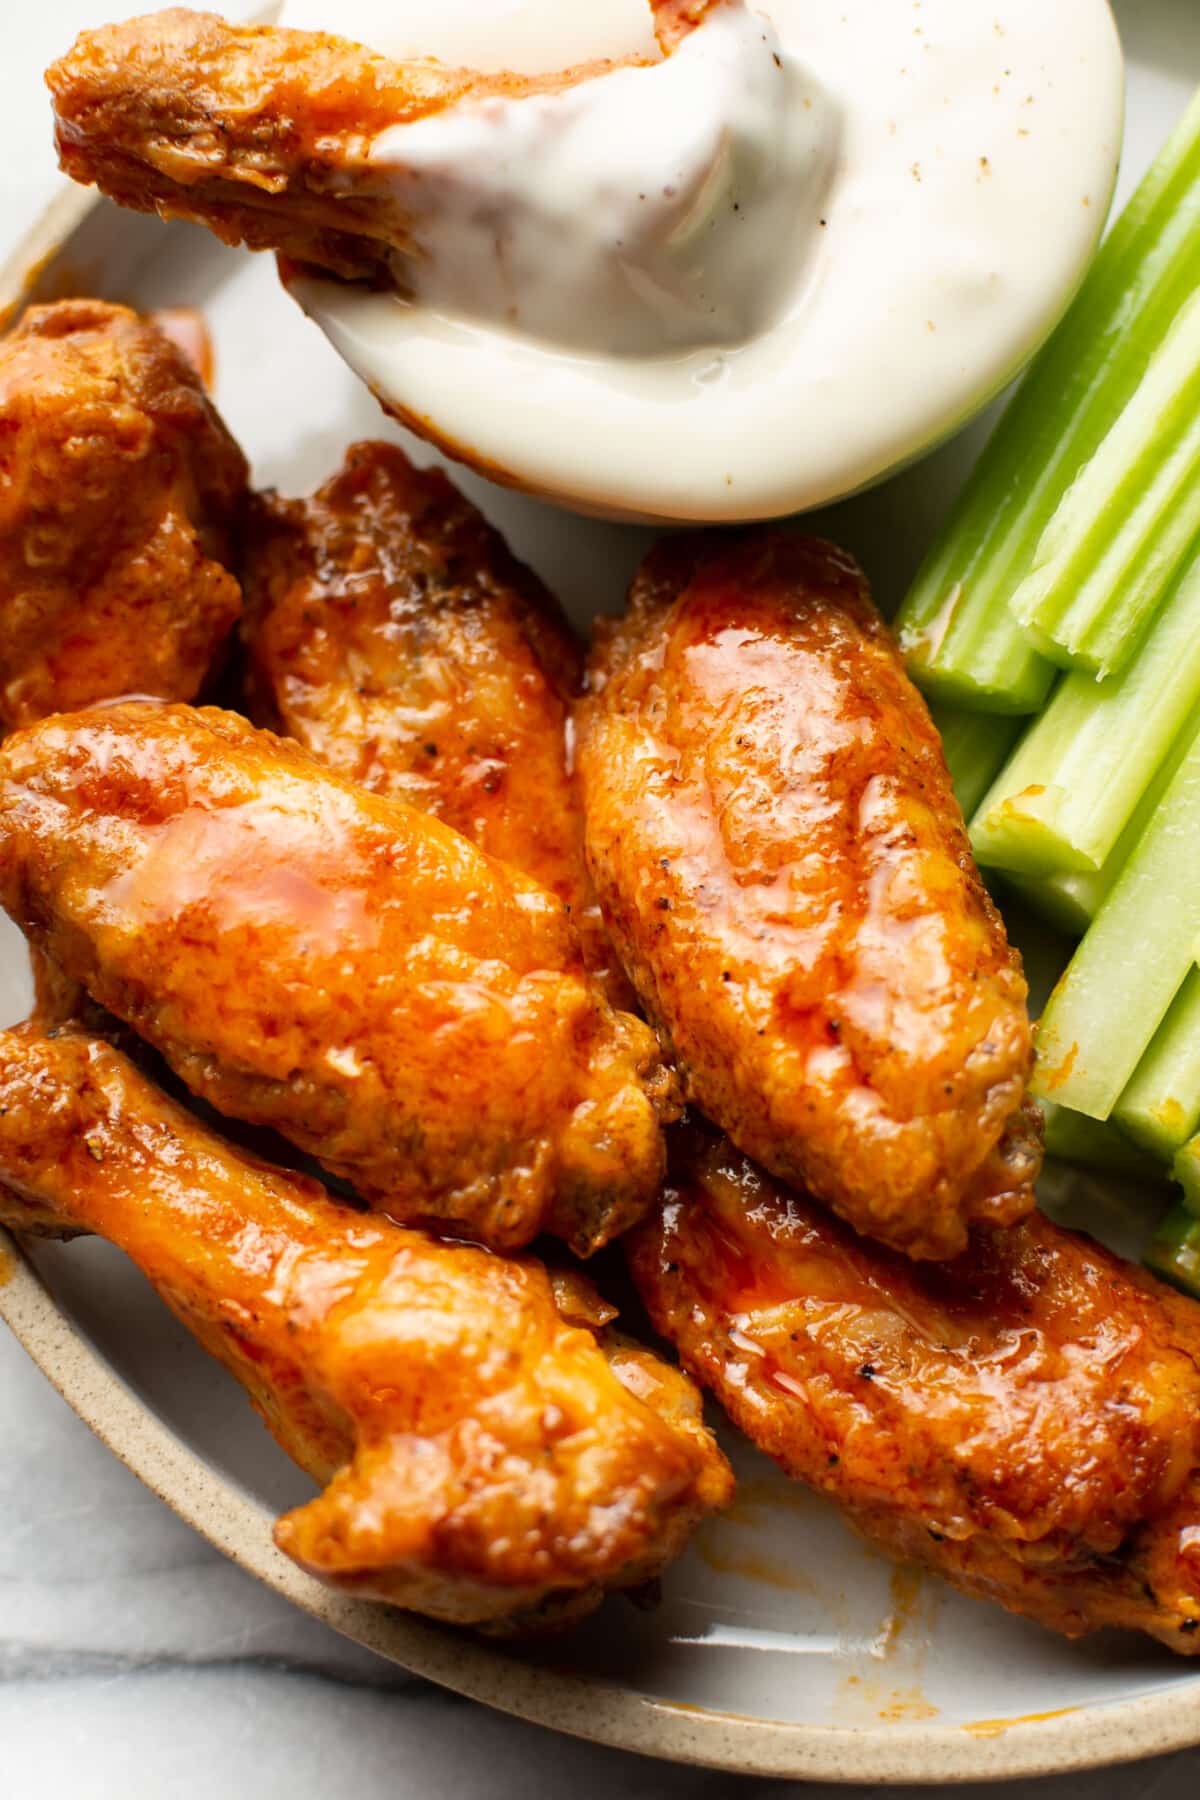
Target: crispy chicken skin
337 966
780 859
264 133
390 631
118 484
1025 1419
487 1457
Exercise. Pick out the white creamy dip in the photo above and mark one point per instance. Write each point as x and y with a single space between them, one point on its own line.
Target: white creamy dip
646 210
919 185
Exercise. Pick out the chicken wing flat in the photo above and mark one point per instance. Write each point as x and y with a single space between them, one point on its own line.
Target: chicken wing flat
780 859
390 631
334 965
1025 1420
263 133
118 484
486 1456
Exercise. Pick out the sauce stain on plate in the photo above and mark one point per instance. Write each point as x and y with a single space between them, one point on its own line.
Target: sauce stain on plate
990 1728
892 1691
907 1590
754 1567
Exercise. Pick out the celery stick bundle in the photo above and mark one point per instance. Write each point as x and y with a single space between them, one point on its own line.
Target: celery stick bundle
1123 527
1066 586
1071 900
1133 961
964 644
1062 801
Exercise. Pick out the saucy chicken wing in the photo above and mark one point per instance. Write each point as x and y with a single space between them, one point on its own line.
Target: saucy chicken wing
774 838
337 966
1025 1420
265 134
390 632
487 1457
118 485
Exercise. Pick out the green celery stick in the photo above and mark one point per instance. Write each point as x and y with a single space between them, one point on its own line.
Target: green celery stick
1062 801
1062 900
976 745
1160 1108
1174 1251
1093 1144
1132 962
1186 1171
1127 521
955 627
1070 900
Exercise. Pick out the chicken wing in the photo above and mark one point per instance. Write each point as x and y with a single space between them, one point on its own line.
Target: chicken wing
264 134
118 484
391 633
320 960
487 1457
1025 1420
779 857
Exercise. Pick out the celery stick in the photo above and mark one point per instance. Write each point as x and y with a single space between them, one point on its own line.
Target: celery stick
1093 1144
1072 900
1062 801
1160 1108
1062 900
1174 1251
975 745
1132 962
1126 523
1186 1171
962 642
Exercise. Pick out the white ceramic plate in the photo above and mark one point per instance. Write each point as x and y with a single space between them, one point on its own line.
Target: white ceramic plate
782 1645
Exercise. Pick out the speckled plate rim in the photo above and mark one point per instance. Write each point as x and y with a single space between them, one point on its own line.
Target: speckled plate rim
1087 1737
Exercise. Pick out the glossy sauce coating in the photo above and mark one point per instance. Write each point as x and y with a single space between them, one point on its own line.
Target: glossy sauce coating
390 631
334 965
262 133
487 1456
118 484
1025 1419
781 862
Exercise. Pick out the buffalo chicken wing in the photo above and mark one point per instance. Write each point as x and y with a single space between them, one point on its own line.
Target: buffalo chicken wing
337 966
118 486
487 1457
391 633
265 134
780 859
1025 1419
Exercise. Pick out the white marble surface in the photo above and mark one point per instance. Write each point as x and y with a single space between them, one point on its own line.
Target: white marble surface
133 1659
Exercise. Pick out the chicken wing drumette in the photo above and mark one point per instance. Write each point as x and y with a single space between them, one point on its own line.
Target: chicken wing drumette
265 134
390 631
317 959
487 1456
118 485
1025 1419
780 859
